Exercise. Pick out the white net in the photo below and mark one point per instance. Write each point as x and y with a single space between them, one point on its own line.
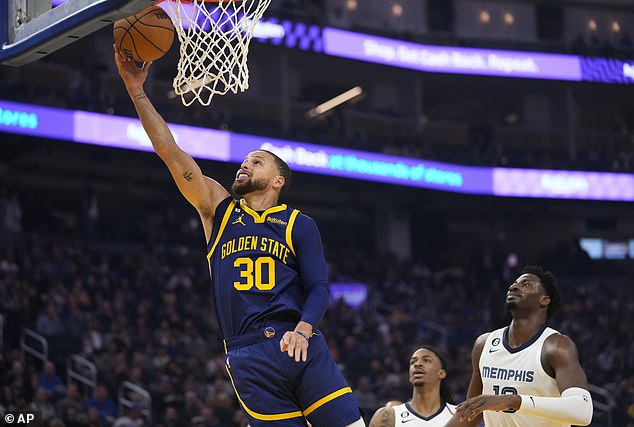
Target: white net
214 44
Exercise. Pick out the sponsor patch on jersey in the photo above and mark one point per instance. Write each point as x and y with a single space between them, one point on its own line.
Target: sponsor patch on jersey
276 221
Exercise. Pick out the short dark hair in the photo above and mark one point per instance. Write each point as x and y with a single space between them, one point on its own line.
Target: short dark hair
283 169
550 285
446 395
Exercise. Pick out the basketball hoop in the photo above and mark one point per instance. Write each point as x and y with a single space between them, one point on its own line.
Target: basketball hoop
214 40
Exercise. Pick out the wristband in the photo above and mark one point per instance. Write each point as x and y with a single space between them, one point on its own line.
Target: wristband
303 334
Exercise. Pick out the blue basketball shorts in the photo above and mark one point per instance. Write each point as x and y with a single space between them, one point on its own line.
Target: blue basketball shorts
276 391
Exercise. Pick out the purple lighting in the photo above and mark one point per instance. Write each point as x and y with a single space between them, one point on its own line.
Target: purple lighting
607 70
123 132
446 59
368 166
420 57
563 184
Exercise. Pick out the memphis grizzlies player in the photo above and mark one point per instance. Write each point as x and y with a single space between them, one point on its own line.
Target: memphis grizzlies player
269 281
527 374
432 403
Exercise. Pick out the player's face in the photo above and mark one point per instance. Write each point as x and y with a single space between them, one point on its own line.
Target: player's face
256 173
525 292
425 368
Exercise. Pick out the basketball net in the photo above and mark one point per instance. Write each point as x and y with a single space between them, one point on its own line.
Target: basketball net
214 43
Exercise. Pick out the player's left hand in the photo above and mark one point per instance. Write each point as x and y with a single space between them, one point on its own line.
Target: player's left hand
130 73
295 344
471 408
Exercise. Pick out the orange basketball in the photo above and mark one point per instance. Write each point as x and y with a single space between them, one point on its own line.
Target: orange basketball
145 36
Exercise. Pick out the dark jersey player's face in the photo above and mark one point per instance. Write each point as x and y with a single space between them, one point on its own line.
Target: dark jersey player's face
257 173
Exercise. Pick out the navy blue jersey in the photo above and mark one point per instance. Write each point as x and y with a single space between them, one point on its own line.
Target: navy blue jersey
263 265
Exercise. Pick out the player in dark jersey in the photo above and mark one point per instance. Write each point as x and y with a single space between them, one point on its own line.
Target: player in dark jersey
269 280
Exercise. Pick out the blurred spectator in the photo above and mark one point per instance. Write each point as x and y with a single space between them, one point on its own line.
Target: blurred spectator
207 418
18 378
94 419
48 322
12 215
171 418
191 407
7 399
73 416
72 398
42 404
133 418
103 404
50 381
365 396
224 408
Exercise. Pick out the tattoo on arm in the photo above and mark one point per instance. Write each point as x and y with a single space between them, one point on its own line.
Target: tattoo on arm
188 176
140 96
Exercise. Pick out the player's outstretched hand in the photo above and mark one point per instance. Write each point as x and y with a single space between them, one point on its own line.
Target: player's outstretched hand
295 344
471 408
130 73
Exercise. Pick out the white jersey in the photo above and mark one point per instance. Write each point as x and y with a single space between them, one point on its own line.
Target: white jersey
507 370
404 415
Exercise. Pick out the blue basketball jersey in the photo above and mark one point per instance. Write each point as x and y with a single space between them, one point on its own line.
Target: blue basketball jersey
253 265
268 272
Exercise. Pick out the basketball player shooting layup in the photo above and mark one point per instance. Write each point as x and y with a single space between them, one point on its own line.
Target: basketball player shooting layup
527 374
432 403
269 279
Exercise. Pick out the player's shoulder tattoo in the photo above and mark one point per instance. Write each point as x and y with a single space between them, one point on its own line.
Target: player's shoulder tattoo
384 417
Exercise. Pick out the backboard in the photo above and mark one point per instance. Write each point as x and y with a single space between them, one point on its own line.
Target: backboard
32 29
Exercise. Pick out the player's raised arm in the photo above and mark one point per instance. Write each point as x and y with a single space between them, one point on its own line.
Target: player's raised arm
202 192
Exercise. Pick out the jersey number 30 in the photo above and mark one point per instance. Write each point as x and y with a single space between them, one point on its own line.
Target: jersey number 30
260 273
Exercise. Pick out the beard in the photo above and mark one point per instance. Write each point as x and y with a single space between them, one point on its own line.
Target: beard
510 305
242 188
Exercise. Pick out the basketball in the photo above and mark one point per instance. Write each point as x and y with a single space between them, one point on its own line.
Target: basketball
145 36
